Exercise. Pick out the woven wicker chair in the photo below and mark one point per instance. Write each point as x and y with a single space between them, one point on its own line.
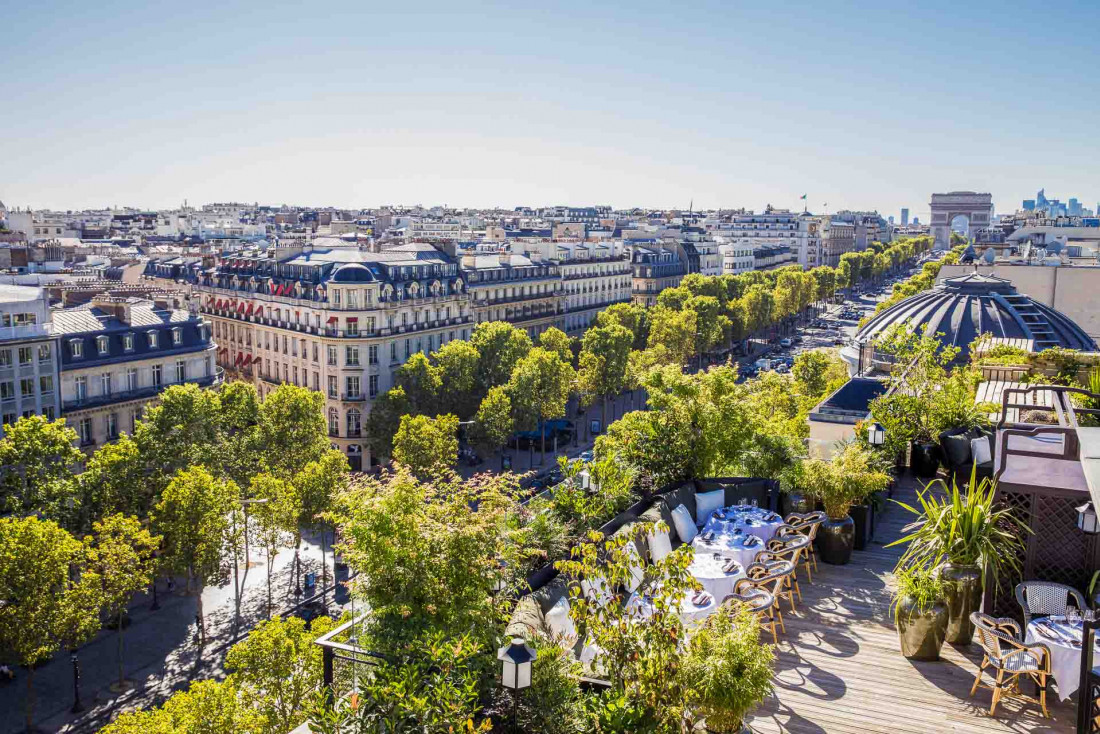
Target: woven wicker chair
808 524
772 578
792 549
760 602
1011 658
1044 598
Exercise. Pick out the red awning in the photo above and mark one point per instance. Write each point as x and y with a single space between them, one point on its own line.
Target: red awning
251 308
274 287
256 359
240 307
221 304
240 356
333 319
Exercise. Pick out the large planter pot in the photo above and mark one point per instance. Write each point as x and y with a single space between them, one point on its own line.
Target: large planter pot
793 502
924 459
837 538
864 525
743 730
921 634
963 594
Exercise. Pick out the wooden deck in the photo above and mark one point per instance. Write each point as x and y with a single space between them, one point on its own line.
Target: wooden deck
839 669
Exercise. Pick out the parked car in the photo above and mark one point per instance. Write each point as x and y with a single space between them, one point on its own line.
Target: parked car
785 342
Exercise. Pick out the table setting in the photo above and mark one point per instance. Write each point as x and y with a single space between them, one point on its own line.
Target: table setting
1063 637
695 607
717 573
748 519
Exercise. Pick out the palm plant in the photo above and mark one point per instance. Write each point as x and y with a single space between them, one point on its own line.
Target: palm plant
965 528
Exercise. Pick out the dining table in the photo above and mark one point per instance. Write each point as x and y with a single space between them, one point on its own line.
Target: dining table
750 520
1063 639
694 608
717 574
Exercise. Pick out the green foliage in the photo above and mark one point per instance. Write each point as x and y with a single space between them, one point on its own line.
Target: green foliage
457 361
113 482
499 346
421 381
427 446
276 669
179 432
275 510
192 515
818 372
849 478
37 458
385 419
919 583
631 316
493 424
604 358
207 707
674 333
556 340
558 707
292 429
539 388
641 655
428 560
964 528
727 671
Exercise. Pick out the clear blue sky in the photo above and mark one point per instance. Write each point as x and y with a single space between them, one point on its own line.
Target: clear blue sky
868 105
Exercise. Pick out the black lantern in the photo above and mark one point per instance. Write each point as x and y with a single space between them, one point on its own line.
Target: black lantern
1086 519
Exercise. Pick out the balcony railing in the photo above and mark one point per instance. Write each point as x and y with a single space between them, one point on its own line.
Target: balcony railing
149 391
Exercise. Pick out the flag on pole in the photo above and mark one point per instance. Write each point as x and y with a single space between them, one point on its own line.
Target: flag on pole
803 197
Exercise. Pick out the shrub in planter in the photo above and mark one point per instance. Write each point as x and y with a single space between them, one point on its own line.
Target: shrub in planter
968 538
727 670
920 614
849 478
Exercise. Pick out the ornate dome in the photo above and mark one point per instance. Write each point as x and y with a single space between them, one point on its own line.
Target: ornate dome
352 273
961 308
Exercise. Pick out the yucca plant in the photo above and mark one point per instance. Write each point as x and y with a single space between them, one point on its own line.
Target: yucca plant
964 528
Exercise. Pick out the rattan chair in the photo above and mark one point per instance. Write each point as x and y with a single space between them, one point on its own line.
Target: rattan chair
1044 598
760 602
808 525
772 578
792 549
1011 658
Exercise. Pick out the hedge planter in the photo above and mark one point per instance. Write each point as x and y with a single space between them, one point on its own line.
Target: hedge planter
962 587
921 633
924 459
837 538
863 517
793 502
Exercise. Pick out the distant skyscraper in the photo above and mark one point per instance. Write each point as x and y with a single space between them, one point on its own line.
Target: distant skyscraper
916 221
1074 208
891 219
905 217
1029 205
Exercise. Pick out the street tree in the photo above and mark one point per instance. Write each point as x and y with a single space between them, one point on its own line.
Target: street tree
499 346
42 605
114 481
605 352
120 551
37 458
675 332
421 382
385 418
292 429
181 431
457 361
427 446
242 452
193 518
275 509
540 387
316 487
494 425
630 315
207 707
556 340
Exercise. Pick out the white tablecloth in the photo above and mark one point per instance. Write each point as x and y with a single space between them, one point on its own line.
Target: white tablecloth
728 545
708 570
690 612
751 522
1065 658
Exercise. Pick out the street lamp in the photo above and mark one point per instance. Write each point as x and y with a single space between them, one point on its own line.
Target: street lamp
876 434
517 659
1086 519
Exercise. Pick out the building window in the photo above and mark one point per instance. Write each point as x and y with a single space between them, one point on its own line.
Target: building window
354 430
85 431
131 379
112 425
336 297
25 355
103 344
317 381
373 386
44 352
181 370
81 384
26 387
152 339
408 345
331 355
105 383
352 383
372 354
7 390
393 351
157 377
332 386
333 422
315 357
5 358
134 416
8 419
177 336
353 299
45 384
76 348
353 327
351 356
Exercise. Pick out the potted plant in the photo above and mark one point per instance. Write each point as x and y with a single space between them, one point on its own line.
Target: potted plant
726 670
920 614
845 481
794 495
967 538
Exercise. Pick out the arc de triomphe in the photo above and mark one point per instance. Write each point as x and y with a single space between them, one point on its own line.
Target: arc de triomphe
977 208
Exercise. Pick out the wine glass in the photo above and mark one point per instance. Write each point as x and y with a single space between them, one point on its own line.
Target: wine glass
755 504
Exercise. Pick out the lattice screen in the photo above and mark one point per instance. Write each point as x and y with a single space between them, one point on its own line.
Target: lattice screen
1004 603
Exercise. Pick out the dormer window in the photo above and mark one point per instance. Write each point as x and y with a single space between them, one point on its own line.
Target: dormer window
103 344
76 348
152 335
177 335
128 342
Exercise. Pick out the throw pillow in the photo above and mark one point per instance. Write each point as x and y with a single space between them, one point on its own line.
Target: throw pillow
659 546
637 568
979 449
685 524
560 623
707 503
